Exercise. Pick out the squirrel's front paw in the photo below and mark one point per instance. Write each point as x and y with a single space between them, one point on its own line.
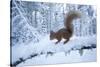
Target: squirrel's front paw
56 43
65 42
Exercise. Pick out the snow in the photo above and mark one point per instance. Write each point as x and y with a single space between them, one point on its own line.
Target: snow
59 58
46 45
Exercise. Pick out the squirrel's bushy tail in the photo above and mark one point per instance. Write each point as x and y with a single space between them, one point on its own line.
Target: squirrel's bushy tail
69 19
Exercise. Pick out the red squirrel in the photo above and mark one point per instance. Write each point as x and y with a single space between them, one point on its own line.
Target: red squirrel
66 32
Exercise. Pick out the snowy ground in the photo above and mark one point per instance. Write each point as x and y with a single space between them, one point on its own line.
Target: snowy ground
67 53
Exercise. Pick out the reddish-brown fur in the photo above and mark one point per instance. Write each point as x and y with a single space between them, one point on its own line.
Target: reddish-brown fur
66 32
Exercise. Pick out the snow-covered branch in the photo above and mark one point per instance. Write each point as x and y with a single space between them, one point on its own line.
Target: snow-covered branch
47 47
51 53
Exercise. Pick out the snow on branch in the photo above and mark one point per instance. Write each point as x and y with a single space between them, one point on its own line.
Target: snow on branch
46 47
51 53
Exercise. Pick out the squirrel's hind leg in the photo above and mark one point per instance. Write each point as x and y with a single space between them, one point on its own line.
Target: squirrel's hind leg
66 40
